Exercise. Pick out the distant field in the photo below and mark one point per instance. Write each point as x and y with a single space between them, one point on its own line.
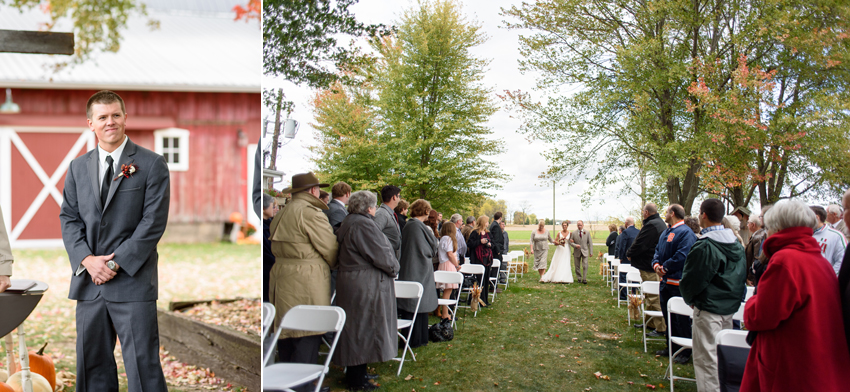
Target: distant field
520 236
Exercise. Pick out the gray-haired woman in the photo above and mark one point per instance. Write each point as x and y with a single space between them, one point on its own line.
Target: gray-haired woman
366 291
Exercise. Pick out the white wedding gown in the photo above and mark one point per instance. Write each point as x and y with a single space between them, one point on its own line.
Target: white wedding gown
560 270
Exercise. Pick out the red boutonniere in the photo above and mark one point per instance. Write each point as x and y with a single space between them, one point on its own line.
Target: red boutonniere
127 171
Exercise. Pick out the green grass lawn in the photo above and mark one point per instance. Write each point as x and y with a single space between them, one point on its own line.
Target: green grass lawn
536 337
186 272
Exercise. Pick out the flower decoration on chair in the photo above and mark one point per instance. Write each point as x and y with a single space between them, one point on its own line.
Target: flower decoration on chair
127 171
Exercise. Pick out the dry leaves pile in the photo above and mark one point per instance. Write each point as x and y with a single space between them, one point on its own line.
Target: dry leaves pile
242 315
180 374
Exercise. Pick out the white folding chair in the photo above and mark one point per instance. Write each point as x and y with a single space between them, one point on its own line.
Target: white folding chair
506 259
471 269
614 278
285 376
750 291
633 280
676 305
732 353
268 323
649 288
448 277
494 280
411 290
515 265
623 269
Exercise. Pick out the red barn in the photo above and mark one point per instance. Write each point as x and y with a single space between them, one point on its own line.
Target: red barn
192 94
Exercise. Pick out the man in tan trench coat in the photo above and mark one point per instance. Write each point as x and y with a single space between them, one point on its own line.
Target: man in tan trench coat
305 251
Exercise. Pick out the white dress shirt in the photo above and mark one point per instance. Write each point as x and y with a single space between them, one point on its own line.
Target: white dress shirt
116 156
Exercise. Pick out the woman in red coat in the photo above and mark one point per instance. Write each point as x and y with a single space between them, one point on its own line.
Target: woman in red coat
796 312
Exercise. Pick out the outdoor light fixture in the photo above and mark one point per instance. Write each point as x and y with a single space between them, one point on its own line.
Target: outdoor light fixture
9 107
241 138
290 128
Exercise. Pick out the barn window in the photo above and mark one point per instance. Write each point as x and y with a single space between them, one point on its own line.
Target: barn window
173 145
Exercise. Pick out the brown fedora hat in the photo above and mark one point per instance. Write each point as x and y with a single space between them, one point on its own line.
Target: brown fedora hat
304 181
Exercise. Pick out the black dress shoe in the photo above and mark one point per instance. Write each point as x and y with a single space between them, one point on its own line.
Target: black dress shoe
655 334
681 359
372 376
663 353
638 326
583 282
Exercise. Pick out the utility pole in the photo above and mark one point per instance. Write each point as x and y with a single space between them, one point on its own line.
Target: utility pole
276 136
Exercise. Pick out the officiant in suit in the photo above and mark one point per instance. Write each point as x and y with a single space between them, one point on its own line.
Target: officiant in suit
6 258
582 249
114 213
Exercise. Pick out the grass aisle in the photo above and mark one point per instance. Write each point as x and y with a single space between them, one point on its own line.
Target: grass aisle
537 337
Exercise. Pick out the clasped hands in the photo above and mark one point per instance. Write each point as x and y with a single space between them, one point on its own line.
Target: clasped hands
96 266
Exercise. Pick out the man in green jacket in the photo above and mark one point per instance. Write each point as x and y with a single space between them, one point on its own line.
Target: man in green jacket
713 284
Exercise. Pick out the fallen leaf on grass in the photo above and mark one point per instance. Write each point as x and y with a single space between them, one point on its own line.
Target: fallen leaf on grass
563 356
409 377
650 386
437 383
644 375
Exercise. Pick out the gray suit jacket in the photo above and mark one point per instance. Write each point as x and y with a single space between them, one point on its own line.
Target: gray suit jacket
335 213
385 219
585 241
129 225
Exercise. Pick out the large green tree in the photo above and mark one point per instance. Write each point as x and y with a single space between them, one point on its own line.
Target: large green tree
300 39
639 68
424 109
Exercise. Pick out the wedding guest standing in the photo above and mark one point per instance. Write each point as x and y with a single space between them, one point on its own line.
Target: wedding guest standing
269 210
401 213
480 245
611 241
796 311
367 266
540 240
6 258
324 197
433 222
336 207
418 249
448 262
385 217
305 251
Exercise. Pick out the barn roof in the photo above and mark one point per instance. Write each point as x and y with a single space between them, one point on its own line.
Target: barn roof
198 47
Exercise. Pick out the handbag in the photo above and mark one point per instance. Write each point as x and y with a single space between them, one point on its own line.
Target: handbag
441 331
483 253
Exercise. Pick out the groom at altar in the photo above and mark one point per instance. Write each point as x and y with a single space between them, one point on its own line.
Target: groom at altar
114 212
582 249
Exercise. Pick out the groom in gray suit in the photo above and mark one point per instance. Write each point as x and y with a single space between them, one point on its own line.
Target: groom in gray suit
114 212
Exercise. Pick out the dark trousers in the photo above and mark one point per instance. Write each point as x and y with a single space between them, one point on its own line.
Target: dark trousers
419 336
98 323
355 376
300 350
681 324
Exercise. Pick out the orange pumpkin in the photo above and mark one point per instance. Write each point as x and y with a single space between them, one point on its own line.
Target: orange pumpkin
5 387
42 364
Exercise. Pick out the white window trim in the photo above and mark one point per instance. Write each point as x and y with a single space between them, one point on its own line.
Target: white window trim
183 150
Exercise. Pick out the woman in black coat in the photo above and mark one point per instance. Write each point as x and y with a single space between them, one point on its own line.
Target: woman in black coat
611 242
480 237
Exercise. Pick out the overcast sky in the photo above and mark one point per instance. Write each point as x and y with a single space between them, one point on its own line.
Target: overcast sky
522 159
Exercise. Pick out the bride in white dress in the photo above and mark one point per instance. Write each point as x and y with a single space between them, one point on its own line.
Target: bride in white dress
560 270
